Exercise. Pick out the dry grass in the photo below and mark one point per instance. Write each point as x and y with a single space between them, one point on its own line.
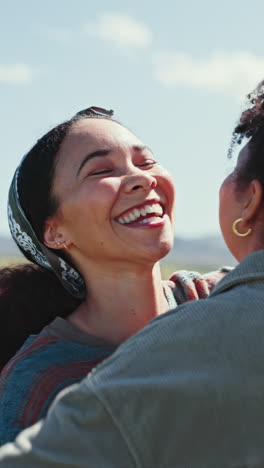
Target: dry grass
166 268
5 261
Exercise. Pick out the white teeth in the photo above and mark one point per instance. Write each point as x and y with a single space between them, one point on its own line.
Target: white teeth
148 220
159 209
149 209
136 213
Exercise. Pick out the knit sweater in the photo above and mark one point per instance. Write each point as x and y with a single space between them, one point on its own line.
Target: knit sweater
57 357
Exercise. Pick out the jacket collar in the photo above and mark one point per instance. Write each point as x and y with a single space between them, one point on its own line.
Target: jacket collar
250 269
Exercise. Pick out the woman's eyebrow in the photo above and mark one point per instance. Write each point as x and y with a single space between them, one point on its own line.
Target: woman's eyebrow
94 154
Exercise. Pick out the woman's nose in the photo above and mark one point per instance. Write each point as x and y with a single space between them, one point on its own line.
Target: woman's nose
139 180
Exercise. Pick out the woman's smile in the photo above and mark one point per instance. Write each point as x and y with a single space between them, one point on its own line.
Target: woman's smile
148 214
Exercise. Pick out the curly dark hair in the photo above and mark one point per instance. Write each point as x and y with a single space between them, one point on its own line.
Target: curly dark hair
251 126
30 298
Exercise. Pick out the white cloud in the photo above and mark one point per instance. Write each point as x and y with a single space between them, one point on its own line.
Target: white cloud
16 73
234 73
122 30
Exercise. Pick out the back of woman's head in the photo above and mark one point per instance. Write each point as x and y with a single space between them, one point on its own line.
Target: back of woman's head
251 126
30 298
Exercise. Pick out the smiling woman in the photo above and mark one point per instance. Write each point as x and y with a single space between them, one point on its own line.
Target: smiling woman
90 203
97 189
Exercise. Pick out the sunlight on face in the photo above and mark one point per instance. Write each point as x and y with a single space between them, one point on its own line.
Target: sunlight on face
116 202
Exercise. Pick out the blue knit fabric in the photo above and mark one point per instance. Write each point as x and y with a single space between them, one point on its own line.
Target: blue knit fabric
36 374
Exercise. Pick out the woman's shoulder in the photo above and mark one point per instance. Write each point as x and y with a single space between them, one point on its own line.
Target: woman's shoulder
44 366
51 348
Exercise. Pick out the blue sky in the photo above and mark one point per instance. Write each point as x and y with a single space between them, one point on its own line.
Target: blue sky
176 73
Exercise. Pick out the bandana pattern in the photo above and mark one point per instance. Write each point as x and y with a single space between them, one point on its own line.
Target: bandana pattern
26 239
70 275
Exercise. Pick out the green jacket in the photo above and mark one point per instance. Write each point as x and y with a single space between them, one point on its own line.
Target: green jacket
187 391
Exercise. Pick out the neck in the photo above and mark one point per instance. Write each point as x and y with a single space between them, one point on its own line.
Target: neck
120 303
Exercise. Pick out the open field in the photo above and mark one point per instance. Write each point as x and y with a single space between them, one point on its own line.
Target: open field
4 261
167 268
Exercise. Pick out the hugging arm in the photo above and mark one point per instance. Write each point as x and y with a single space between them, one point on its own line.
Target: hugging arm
191 285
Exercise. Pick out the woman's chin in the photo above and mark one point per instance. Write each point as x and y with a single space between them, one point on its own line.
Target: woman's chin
166 243
165 249
161 250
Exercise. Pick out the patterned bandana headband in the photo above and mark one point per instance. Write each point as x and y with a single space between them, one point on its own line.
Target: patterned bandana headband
28 242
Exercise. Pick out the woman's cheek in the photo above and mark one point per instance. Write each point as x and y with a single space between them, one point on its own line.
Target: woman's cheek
169 185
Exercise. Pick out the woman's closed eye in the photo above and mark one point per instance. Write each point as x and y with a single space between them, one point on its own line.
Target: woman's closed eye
147 163
100 171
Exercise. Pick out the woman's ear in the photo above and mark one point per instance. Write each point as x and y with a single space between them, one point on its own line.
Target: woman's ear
52 236
253 201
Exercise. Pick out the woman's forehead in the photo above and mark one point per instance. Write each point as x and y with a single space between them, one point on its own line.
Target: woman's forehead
100 131
90 135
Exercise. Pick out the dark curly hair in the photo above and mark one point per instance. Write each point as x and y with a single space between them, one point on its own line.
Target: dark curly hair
30 298
251 126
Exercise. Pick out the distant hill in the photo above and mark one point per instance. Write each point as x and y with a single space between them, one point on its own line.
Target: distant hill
203 253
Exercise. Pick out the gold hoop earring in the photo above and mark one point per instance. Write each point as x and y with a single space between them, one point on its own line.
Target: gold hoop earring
235 231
